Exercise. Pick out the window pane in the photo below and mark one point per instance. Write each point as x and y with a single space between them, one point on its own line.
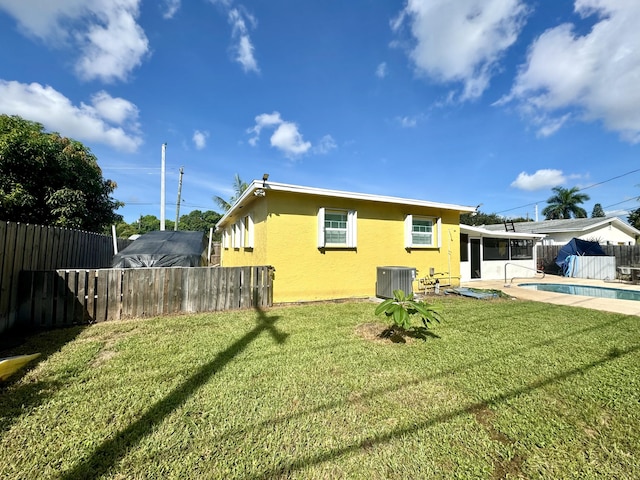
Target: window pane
421 239
335 228
424 226
521 249
421 232
496 249
464 247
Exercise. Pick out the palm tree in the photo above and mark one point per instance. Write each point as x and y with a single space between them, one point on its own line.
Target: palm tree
564 204
238 188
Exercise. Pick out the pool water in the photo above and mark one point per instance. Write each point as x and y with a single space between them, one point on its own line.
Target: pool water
597 292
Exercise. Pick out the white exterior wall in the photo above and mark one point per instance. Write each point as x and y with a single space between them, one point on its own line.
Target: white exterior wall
495 269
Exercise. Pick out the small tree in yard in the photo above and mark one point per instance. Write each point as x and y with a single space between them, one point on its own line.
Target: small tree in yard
401 309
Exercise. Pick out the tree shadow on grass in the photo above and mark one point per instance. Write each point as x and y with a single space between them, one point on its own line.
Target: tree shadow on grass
107 455
285 469
16 398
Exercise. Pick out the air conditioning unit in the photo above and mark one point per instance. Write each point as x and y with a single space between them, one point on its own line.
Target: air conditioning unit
394 278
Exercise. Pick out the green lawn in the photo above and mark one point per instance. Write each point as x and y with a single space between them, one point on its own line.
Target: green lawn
502 389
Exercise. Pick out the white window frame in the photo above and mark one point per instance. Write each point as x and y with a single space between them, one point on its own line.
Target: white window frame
436 237
352 228
248 231
225 238
237 234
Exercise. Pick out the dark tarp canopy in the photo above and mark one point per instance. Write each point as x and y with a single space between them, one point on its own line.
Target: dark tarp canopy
578 247
164 249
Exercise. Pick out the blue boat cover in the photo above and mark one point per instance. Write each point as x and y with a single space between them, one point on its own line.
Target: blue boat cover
577 247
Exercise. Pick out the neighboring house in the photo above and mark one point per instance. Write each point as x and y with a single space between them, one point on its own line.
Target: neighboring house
327 244
604 230
496 255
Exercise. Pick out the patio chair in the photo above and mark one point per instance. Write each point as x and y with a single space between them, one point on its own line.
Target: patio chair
624 273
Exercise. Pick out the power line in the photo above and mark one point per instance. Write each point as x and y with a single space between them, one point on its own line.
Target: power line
624 201
579 190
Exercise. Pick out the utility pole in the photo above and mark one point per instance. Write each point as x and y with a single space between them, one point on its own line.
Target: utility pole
175 227
162 189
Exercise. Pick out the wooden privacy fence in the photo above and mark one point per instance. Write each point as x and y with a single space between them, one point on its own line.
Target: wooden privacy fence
67 297
36 247
625 255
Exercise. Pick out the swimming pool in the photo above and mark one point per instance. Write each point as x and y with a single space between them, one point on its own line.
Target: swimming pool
586 291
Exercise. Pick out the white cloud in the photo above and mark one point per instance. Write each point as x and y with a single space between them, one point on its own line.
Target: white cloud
289 140
541 179
461 41
285 138
325 145
111 43
381 71
108 120
263 120
596 74
171 8
240 33
115 110
550 125
408 122
200 139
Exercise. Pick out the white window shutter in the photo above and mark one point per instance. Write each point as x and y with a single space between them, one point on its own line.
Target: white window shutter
225 238
321 227
439 231
250 234
352 229
237 239
241 233
408 228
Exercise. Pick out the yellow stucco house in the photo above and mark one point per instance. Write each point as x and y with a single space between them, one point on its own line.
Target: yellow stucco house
327 244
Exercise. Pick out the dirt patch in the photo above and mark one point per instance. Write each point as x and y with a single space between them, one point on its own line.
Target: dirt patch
103 357
502 467
378 333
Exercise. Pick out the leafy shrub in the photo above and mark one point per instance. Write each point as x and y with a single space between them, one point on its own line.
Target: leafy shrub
402 308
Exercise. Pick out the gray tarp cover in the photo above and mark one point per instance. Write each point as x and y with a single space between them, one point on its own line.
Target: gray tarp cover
164 249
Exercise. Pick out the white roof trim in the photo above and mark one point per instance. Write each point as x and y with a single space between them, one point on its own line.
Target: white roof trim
248 196
498 233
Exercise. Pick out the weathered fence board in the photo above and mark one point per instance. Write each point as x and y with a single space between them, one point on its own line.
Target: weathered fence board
35 247
69 297
625 255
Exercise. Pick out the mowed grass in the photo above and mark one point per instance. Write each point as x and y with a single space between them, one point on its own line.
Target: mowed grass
503 389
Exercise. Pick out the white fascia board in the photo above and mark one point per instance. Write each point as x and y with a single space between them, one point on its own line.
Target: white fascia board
367 196
497 233
248 196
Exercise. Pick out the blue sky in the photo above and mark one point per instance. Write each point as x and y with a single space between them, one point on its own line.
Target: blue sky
490 102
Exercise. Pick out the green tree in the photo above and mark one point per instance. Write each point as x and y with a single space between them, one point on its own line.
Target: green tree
238 189
200 221
480 218
634 218
51 180
564 204
597 211
196 220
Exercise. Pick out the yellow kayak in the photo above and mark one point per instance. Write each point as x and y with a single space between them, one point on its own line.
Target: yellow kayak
10 365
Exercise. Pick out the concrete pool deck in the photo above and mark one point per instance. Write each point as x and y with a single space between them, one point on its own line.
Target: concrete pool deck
627 307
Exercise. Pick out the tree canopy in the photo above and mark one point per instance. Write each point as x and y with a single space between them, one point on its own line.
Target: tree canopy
481 218
564 203
238 188
196 220
597 211
48 179
634 218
